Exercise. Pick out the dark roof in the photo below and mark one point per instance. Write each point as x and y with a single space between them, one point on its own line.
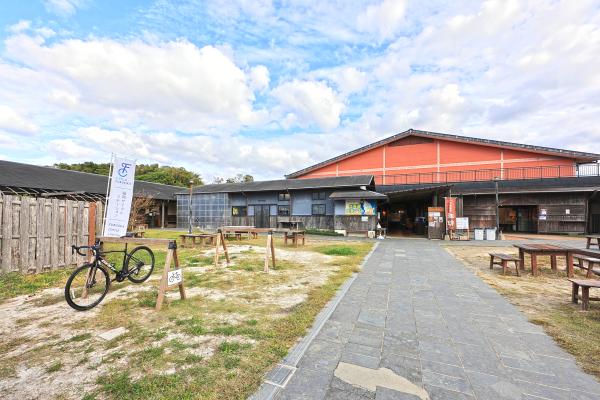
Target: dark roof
357 194
13 174
287 184
578 155
574 184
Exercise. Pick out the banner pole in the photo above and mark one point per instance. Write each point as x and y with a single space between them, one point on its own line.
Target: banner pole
110 168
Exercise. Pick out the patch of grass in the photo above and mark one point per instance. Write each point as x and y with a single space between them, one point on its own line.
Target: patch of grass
16 284
81 337
147 298
7 371
337 250
150 353
192 326
231 347
54 367
322 232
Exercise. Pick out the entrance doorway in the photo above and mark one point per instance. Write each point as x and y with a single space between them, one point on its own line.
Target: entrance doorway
518 218
405 213
262 216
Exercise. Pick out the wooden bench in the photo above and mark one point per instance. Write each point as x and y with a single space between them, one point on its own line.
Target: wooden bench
585 298
591 262
503 260
204 237
590 238
295 236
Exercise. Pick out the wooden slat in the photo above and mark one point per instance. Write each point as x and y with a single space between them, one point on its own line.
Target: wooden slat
6 234
70 259
24 235
55 220
106 239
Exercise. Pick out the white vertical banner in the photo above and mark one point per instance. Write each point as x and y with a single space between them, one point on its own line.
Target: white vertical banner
119 197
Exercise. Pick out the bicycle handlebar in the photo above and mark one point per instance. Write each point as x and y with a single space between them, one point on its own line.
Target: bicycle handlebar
77 249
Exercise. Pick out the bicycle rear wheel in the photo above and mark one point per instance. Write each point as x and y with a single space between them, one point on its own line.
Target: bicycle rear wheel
86 287
139 264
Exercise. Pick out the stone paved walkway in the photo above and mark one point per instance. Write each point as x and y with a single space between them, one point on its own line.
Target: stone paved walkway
419 312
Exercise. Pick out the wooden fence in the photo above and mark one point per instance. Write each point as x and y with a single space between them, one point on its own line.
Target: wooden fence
36 234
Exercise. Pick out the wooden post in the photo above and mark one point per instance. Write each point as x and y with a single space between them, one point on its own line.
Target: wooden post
164 282
220 242
269 249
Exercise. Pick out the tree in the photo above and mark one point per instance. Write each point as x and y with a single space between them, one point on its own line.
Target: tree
176 176
240 178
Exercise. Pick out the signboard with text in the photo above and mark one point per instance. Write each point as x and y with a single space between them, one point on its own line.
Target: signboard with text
119 197
361 207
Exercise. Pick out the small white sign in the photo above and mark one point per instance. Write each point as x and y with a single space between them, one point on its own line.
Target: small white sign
174 277
542 217
543 211
462 223
364 219
567 211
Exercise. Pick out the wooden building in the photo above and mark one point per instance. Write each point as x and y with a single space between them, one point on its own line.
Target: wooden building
540 189
53 183
335 203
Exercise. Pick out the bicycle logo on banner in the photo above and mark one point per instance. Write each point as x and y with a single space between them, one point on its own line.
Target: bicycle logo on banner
123 171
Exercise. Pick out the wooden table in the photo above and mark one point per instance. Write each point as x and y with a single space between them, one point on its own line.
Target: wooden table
585 285
552 250
251 231
589 241
294 235
204 237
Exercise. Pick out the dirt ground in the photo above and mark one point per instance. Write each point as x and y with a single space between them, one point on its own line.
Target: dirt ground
48 350
545 299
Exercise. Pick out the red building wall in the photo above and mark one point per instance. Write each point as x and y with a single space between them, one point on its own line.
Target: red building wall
427 160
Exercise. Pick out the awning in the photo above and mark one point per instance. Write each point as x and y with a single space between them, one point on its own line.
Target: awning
357 194
414 193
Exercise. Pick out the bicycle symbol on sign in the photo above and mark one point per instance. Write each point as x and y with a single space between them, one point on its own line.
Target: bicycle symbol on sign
174 277
123 170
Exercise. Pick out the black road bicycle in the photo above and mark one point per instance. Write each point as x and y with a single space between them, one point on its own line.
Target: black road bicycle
88 284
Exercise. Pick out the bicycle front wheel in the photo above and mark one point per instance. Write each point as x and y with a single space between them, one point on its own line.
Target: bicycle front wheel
86 287
139 264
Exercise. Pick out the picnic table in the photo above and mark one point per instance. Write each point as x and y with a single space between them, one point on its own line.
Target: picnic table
585 285
294 235
552 250
204 237
589 241
238 231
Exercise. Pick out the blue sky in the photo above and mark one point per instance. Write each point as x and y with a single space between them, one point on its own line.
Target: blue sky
268 87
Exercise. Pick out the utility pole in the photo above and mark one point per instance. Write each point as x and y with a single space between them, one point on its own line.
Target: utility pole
190 207
496 179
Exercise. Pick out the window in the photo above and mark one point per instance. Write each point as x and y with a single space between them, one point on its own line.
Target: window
283 210
239 211
319 196
284 197
318 209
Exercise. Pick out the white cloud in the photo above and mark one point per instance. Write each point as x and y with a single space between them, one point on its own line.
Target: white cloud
383 19
311 102
12 121
350 80
63 8
165 85
20 26
259 78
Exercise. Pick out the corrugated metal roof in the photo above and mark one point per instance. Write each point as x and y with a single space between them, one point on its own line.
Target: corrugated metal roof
578 155
287 184
34 176
357 194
